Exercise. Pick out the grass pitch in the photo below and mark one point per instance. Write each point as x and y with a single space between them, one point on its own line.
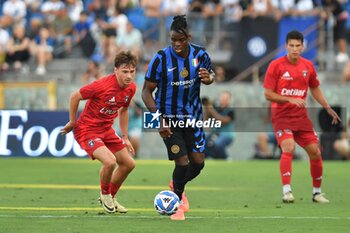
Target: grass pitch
60 195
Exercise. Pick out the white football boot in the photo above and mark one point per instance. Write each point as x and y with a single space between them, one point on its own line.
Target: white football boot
118 207
107 203
288 197
319 198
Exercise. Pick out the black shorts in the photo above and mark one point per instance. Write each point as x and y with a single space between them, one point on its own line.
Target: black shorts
22 56
184 141
110 32
339 30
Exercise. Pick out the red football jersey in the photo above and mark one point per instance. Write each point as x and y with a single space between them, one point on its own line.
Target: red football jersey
291 80
105 97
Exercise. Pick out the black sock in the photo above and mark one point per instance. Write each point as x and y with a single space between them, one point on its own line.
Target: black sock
193 171
179 175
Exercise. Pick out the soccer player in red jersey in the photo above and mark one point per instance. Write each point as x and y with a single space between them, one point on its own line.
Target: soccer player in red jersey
286 85
107 98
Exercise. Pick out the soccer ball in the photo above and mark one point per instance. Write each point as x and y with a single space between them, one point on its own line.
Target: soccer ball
166 202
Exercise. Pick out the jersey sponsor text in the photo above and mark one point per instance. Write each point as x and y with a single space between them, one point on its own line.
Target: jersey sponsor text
292 92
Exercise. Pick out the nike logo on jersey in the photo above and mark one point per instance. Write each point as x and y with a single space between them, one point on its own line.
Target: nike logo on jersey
199 146
171 69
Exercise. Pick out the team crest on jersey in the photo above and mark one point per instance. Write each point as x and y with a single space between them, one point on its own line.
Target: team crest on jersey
175 149
304 73
279 133
91 143
184 72
195 62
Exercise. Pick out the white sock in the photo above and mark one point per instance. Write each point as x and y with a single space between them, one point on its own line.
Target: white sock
316 190
286 188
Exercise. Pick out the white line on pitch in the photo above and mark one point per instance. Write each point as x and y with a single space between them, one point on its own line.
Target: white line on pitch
187 217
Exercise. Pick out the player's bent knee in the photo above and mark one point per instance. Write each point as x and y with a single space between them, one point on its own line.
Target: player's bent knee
131 164
198 166
288 149
109 164
315 154
288 146
128 165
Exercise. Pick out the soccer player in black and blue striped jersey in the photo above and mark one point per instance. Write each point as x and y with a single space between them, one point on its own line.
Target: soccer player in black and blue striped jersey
175 74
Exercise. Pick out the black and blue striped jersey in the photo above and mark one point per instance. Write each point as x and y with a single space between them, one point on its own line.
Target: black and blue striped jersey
178 84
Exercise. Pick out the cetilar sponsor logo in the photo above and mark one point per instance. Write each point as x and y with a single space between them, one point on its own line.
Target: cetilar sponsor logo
108 111
292 92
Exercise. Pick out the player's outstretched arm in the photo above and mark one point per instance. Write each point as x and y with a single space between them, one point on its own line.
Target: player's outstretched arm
74 100
147 91
67 128
123 125
317 93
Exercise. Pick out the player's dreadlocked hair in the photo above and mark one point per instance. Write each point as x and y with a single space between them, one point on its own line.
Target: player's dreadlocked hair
179 24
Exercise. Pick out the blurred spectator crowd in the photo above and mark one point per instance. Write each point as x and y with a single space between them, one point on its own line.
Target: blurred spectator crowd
45 29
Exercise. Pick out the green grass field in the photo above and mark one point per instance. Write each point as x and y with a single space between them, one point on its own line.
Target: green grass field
60 195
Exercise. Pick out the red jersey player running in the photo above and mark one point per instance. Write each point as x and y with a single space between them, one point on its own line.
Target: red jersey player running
107 98
286 85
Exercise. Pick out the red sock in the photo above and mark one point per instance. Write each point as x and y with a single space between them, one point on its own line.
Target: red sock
104 188
113 188
316 172
286 167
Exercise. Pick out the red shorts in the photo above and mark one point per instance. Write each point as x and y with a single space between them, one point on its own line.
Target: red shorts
302 138
91 141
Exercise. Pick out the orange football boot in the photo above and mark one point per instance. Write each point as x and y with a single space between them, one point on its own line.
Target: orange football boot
179 215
